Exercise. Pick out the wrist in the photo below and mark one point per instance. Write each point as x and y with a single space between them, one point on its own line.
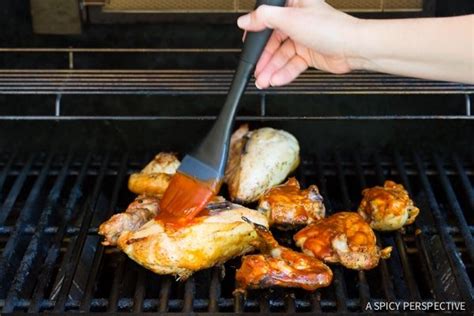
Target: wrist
356 46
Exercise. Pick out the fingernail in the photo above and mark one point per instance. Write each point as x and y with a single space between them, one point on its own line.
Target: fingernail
243 21
258 86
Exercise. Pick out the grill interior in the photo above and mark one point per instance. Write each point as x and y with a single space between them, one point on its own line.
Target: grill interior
52 260
79 113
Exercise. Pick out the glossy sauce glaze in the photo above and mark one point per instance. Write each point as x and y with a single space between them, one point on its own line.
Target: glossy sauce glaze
288 205
185 198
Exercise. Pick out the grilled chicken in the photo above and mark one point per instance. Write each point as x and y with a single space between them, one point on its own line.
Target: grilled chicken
208 240
258 160
155 177
280 266
344 238
138 213
387 208
288 206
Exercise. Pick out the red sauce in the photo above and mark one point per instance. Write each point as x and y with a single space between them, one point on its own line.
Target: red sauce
184 199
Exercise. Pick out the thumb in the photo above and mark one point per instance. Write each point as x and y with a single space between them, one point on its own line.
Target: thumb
263 17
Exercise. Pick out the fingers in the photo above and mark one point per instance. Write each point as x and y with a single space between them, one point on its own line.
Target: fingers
289 72
279 59
272 46
263 17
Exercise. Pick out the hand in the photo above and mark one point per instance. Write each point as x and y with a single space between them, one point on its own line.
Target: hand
308 33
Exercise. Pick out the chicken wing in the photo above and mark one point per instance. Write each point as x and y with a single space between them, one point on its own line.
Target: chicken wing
287 205
155 177
280 266
259 160
387 208
138 213
206 241
345 238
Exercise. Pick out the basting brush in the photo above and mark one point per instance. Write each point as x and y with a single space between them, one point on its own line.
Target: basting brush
200 175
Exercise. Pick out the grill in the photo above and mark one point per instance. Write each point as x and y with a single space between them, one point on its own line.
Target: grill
53 202
78 115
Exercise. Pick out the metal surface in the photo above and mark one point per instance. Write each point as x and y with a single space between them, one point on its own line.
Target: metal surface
209 82
231 6
74 184
126 71
55 16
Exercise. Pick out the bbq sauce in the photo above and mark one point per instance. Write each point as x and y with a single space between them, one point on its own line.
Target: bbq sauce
176 211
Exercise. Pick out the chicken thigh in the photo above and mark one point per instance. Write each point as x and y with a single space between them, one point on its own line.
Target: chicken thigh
280 266
342 238
387 208
288 206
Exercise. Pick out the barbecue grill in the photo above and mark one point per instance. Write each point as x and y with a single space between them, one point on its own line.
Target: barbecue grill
80 113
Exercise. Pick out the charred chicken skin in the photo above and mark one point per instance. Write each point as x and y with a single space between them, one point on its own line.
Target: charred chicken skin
258 160
288 206
156 176
387 208
343 238
280 266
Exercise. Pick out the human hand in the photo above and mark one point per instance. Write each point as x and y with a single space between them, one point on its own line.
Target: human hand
308 33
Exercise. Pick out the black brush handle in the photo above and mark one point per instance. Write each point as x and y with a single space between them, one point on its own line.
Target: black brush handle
214 149
255 41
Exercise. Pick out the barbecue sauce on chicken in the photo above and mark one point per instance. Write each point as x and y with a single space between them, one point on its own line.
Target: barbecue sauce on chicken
176 212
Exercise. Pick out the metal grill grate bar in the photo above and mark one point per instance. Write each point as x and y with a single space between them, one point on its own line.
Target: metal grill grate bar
36 248
364 291
72 263
462 279
6 171
214 290
139 296
338 281
13 249
455 207
15 191
44 277
466 184
210 82
394 260
85 304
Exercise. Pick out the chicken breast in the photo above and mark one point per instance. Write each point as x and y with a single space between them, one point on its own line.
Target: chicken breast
345 238
288 206
387 208
204 242
258 160
155 177
280 266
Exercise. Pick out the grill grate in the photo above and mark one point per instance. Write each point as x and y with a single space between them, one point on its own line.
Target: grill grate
134 71
51 258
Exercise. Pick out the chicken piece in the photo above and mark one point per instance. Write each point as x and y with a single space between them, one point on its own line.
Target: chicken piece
345 238
280 266
204 242
387 208
259 160
138 213
156 176
287 205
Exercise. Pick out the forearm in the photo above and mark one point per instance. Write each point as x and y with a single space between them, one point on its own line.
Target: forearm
431 48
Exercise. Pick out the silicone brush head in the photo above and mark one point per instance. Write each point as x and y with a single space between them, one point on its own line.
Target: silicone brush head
190 189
